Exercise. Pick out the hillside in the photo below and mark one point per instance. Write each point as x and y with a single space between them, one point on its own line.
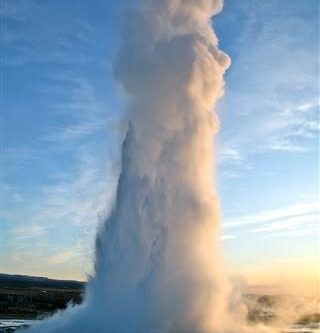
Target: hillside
29 297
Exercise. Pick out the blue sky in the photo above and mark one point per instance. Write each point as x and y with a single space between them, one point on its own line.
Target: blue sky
63 126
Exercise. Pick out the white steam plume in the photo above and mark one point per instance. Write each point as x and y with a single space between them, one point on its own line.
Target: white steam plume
158 259
158 265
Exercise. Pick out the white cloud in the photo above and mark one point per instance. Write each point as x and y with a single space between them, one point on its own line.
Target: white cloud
76 131
20 10
50 43
28 231
19 153
78 198
297 211
229 155
285 145
271 102
297 122
227 237
294 233
289 224
63 257
308 105
75 202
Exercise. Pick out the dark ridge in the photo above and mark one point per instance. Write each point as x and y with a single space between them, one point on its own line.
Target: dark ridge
8 280
32 297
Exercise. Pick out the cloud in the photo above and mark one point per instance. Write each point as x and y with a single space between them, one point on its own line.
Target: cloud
37 33
297 211
227 237
285 145
229 155
288 127
51 217
24 232
87 114
77 198
19 153
63 257
289 224
72 198
272 85
232 162
19 10
76 131
308 105
305 231
288 261
283 126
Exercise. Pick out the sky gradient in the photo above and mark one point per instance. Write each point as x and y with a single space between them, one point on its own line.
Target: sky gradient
63 127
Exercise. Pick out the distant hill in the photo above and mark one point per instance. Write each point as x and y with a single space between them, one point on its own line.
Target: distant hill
29 296
34 281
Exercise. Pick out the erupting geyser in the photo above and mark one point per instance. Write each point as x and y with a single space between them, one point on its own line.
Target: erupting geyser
158 264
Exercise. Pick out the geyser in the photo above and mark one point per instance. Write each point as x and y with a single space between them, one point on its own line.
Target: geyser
158 263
